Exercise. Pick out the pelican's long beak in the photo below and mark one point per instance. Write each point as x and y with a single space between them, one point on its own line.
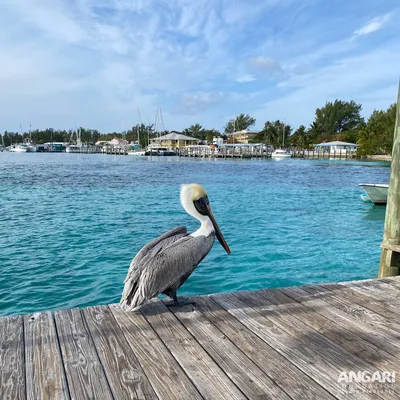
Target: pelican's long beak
203 206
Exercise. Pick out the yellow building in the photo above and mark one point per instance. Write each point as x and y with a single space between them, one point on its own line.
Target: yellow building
173 140
243 136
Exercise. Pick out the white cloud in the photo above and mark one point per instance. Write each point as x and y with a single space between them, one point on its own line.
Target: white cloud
264 63
93 62
192 103
373 25
265 68
245 78
369 79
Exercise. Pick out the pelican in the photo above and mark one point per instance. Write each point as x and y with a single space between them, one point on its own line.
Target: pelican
164 264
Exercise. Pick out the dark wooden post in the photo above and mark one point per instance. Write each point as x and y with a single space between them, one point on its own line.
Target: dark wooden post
390 256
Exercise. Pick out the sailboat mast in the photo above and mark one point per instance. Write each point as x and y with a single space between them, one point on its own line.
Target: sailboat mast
139 123
148 131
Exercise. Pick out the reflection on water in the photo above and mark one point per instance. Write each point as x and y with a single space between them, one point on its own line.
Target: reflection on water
375 213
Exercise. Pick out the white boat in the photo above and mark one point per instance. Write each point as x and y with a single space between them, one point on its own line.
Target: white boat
31 146
73 148
30 143
159 151
377 193
280 153
136 152
20 148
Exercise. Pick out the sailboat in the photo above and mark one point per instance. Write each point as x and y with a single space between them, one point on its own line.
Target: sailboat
137 150
2 147
30 144
282 153
75 148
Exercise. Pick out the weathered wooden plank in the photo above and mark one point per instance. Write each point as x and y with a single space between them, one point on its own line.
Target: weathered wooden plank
303 348
379 289
124 373
392 280
206 375
164 373
393 247
45 377
369 297
359 312
343 319
296 383
12 368
336 355
240 369
349 339
85 375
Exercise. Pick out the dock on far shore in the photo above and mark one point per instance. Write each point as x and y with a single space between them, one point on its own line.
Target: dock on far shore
330 341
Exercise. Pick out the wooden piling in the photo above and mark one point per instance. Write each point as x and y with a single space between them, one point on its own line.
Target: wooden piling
390 256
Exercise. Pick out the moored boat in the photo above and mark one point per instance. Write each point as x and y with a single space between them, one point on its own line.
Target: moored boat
19 148
280 153
376 192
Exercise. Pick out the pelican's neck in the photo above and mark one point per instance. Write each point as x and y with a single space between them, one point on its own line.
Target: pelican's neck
206 227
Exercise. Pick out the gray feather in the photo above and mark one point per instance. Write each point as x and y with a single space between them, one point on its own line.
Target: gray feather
163 265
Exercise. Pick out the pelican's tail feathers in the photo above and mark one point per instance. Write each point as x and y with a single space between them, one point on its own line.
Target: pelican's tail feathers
132 297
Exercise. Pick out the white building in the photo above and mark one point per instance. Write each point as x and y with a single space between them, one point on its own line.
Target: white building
337 147
218 141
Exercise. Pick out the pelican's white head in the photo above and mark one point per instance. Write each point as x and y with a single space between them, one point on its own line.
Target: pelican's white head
194 200
189 194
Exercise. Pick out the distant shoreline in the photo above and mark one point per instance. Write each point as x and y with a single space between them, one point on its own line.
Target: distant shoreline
380 157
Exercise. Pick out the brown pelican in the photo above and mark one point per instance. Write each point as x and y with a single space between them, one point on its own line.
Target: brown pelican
164 264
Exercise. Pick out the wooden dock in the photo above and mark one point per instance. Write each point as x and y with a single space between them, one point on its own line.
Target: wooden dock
258 153
289 343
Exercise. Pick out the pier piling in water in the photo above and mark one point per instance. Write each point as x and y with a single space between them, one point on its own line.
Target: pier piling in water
390 256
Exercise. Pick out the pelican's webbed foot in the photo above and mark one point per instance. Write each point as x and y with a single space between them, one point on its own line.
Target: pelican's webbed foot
183 301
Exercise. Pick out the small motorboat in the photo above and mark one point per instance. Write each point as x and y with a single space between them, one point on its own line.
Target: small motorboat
20 148
375 192
280 153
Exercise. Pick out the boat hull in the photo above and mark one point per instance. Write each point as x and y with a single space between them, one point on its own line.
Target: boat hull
281 155
19 150
377 193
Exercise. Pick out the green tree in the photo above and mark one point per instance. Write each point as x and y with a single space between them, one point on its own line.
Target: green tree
376 137
274 133
210 134
300 138
336 117
196 131
240 123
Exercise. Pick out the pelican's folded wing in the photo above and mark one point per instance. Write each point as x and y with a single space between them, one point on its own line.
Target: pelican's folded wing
167 269
154 247
148 252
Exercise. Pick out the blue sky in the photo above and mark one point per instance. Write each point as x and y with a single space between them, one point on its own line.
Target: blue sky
93 63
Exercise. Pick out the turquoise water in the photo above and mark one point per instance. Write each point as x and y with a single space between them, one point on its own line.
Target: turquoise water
70 224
